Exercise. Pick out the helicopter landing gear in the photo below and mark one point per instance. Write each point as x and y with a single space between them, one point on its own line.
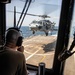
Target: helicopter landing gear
33 32
46 33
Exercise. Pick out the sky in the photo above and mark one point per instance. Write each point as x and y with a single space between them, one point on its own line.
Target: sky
51 8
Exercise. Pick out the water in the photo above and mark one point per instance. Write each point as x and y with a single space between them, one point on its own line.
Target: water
27 33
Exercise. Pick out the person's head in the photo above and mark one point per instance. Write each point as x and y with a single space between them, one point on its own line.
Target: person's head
13 38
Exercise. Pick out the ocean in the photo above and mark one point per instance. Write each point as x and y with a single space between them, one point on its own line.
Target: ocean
27 33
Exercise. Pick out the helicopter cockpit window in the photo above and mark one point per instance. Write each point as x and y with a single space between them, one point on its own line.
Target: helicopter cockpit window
34 21
39 22
41 36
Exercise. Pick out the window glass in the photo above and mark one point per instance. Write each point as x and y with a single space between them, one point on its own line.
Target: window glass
70 62
39 28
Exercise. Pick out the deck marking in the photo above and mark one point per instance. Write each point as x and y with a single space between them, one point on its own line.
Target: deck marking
39 54
32 54
43 58
28 45
45 54
74 55
28 39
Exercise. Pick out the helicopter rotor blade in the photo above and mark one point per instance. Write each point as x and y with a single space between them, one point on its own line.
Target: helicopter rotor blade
44 8
44 16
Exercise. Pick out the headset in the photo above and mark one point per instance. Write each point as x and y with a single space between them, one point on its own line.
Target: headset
14 35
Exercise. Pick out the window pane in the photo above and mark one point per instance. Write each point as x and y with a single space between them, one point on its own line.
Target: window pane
39 29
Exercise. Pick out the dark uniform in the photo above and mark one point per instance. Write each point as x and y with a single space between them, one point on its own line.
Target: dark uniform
12 62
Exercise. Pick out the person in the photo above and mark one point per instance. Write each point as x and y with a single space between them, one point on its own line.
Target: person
12 62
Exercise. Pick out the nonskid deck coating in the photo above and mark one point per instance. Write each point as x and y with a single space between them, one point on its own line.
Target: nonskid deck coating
41 49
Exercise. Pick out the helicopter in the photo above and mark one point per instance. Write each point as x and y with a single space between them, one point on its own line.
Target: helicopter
42 25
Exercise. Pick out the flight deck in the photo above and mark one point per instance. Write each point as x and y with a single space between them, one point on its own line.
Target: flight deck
41 49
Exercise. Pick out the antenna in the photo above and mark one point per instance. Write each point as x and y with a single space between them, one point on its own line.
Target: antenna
14 16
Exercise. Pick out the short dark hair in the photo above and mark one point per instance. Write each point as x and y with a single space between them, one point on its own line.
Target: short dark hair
12 36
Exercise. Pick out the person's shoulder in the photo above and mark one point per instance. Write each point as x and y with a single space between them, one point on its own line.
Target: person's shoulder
17 52
18 55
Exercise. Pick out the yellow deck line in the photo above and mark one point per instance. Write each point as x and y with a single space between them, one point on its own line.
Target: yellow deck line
43 58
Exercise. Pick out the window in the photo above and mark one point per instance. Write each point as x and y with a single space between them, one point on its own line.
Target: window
39 47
